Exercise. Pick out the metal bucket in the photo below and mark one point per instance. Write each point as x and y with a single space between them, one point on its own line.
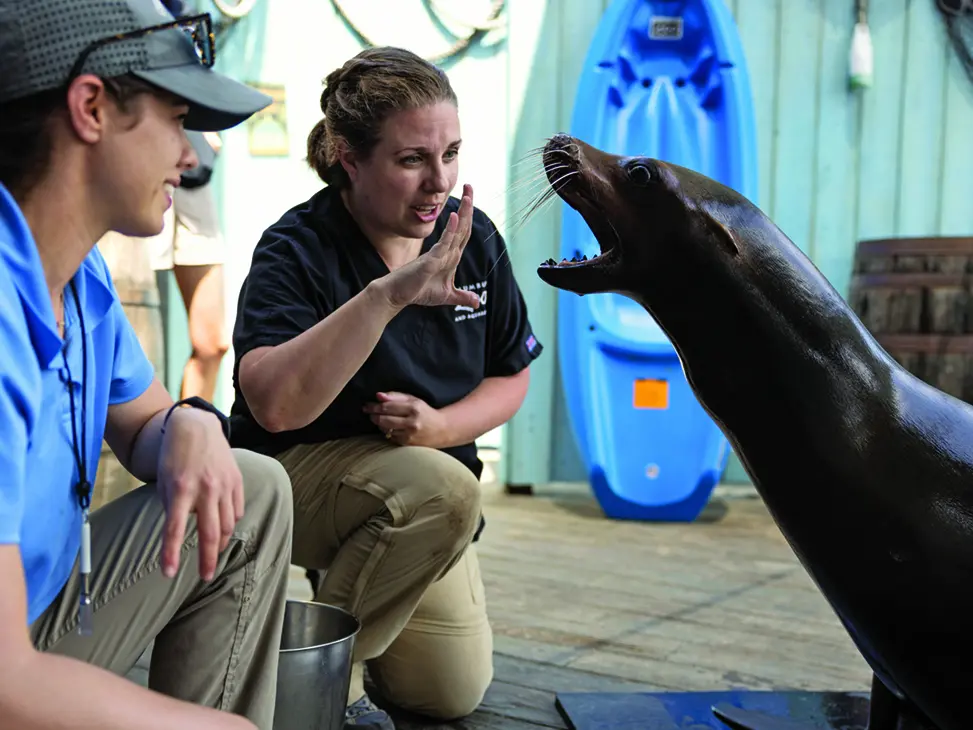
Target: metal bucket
314 672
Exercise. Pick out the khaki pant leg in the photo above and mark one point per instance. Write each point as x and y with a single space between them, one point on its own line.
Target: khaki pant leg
385 521
216 643
441 664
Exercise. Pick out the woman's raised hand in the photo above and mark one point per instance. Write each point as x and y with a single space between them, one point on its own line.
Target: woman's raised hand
429 280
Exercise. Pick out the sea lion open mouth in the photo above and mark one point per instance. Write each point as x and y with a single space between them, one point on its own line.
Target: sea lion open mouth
581 183
648 216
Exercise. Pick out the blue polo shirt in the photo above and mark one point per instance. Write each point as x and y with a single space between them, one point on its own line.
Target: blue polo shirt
38 508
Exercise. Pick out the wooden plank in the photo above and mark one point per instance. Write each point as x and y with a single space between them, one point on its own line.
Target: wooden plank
545 677
771 610
478 721
514 702
525 694
881 123
957 148
534 64
796 103
837 139
758 23
681 677
749 616
581 603
710 639
576 596
920 148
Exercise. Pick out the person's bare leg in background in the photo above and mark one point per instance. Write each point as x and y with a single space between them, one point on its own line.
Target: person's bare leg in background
202 293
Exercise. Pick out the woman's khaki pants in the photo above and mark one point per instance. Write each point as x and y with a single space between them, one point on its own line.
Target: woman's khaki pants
392 526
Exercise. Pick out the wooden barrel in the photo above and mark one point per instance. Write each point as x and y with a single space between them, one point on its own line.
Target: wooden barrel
915 295
128 261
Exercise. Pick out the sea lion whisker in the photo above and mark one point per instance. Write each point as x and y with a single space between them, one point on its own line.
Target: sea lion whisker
503 256
528 157
538 174
526 181
518 184
515 221
533 204
561 180
532 208
549 195
528 196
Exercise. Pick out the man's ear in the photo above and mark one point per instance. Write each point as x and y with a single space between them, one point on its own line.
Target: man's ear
86 102
721 234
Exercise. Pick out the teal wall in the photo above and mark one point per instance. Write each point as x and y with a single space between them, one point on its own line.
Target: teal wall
835 165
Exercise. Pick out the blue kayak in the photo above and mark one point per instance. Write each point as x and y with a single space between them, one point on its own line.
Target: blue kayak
664 79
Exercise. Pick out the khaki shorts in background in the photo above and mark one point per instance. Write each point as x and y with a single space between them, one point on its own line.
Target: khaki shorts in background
191 233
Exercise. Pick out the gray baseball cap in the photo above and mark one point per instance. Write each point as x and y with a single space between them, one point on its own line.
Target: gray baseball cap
42 40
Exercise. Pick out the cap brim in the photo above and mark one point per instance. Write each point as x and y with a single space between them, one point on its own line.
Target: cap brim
216 102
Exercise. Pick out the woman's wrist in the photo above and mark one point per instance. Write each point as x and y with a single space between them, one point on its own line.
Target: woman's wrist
378 292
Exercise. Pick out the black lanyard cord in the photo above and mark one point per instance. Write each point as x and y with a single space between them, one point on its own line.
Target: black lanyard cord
83 487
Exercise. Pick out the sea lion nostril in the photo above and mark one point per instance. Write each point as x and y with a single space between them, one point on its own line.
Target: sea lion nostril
563 146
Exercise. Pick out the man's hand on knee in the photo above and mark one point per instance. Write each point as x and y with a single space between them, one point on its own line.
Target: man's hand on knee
197 473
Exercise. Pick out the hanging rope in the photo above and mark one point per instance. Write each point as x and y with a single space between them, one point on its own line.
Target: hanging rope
235 9
493 21
958 17
434 8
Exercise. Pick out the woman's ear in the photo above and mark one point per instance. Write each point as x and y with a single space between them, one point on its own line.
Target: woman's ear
346 159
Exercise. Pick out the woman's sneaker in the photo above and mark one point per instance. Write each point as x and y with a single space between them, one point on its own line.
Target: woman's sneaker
364 714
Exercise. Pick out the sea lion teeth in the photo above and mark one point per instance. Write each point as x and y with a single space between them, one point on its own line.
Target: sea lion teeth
866 469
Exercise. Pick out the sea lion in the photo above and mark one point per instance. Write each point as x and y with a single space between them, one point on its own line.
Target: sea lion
867 470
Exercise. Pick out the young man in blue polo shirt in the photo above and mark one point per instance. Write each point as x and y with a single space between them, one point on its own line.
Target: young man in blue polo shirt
94 98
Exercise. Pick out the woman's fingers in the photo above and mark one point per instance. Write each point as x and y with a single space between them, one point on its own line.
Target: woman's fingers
465 219
392 423
466 298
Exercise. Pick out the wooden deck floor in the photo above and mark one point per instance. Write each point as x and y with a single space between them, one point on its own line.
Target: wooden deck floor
581 603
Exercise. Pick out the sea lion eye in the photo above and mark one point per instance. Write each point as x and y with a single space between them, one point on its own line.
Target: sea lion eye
640 174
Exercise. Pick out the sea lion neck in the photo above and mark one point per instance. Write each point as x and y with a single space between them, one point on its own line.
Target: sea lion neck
766 293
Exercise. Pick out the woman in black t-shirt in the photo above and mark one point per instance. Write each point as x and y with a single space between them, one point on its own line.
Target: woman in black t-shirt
379 332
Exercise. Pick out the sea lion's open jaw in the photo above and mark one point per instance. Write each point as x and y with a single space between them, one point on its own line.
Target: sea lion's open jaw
571 179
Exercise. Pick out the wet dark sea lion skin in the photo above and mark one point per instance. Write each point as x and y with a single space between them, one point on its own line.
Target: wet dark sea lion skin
867 470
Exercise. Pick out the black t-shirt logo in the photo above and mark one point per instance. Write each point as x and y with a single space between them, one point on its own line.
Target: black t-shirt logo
462 312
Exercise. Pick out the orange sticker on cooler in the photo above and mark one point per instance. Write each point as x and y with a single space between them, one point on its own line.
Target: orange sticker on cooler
651 394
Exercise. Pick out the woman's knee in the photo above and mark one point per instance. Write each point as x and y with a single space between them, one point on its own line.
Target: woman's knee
445 489
443 698
456 702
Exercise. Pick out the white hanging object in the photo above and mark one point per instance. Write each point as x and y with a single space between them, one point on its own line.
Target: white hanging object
861 68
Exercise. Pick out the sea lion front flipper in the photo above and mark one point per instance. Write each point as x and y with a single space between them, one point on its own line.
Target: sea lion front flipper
740 719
